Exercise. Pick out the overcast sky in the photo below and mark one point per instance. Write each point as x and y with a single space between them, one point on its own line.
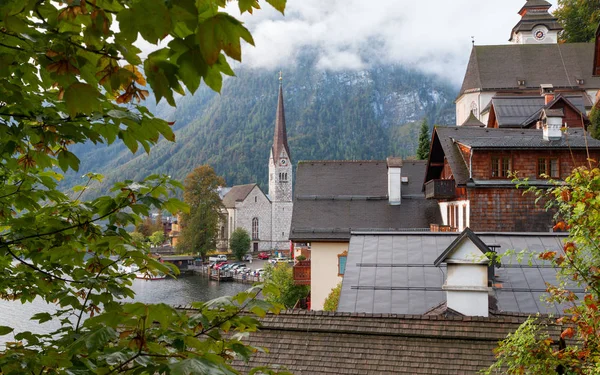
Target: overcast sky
430 35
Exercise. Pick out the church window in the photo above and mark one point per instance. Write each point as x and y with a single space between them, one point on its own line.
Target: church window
222 231
255 228
255 199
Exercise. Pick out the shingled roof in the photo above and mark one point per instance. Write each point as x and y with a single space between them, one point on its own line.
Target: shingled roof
521 111
237 194
494 68
332 198
335 343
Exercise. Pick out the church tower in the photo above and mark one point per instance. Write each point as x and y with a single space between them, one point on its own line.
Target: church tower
537 25
280 164
280 179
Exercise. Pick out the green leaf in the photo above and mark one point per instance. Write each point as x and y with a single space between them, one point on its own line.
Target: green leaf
16 24
278 4
198 366
4 330
42 317
151 18
247 5
67 159
99 338
174 205
219 33
81 98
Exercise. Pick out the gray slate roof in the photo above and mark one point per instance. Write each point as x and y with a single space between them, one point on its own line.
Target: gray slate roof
334 197
493 68
237 193
395 273
308 343
518 111
473 121
530 139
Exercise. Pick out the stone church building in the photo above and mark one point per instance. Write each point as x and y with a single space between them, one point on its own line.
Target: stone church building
266 217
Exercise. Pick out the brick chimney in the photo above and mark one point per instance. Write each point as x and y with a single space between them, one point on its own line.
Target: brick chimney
547 91
467 278
394 166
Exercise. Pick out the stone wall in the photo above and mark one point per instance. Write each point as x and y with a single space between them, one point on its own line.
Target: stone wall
256 205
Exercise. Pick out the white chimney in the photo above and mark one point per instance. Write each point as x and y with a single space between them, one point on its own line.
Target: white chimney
394 166
552 127
466 286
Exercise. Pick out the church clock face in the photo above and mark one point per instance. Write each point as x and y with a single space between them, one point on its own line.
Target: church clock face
283 162
539 33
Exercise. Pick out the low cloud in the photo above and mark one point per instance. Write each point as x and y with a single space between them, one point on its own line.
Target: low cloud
432 36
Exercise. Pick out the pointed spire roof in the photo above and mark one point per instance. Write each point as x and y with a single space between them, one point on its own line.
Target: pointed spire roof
534 13
472 120
280 141
538 4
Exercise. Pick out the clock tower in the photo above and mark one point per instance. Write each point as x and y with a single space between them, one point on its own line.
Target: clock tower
280 164
280 179
537 25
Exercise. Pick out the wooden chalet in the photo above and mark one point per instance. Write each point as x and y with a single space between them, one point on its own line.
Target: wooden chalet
469 173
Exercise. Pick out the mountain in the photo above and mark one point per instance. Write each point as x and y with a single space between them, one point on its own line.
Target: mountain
360 115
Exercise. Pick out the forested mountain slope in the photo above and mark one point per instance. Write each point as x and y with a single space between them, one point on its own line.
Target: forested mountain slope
368 114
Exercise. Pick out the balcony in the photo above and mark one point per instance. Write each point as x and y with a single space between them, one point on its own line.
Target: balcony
440 189
302 272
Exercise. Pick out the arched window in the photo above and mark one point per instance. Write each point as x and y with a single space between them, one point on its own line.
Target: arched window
255 199
255 228
223 232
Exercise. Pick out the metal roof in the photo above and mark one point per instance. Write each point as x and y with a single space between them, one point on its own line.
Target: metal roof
519 111
395 273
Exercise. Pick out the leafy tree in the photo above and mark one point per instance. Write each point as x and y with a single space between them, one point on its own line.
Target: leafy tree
423 148
69 78
148 226
157 238
200 226
332 300
530 350
282 275
594 127
137 238
240 243
579 19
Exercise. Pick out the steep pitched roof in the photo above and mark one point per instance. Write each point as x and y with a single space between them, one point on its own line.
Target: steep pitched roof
444 147
335 343
332 198
493 68
466 234
237 194
396 273
280 141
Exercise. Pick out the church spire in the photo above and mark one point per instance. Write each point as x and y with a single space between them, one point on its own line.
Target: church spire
537 25
280 138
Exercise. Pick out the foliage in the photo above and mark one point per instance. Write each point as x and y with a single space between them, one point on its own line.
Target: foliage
300 258
70 78
148 226
137 238
579 18
577 202
199 227
240 243
594 126
423 148
332 300
157 238
282 275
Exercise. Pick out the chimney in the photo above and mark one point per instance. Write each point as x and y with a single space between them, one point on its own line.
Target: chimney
394 166
547 91
466 286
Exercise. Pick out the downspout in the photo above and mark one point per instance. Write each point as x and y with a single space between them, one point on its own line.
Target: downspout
471 164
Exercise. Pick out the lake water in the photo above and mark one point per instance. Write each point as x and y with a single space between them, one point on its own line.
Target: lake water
181 291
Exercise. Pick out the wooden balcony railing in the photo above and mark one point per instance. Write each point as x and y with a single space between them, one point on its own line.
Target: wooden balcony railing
302 272
440 189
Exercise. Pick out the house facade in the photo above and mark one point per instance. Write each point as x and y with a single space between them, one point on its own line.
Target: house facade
334 198
266 218
533 58
470 173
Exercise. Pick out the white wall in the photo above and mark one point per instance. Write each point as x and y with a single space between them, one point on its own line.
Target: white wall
444 211
324 270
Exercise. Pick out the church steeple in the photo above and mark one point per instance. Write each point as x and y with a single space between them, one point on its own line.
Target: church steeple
537 25
280 138
280 163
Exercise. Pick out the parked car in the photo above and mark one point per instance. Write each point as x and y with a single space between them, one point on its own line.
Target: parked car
219 265
218 258
263 256
281 259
